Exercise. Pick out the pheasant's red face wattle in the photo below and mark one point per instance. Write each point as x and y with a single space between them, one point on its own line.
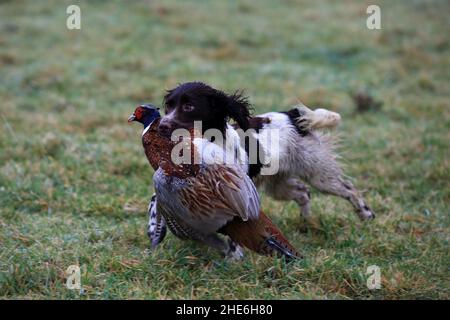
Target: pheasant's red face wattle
137 114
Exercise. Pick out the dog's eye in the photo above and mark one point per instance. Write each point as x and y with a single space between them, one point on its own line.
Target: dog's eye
187 107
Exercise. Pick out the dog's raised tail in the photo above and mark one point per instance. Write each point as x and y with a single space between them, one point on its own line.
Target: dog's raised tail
316 119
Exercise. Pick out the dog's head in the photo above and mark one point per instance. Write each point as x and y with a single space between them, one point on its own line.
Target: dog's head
196 101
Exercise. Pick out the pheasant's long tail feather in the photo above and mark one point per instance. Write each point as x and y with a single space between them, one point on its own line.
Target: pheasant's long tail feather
277 240
261 236
280 249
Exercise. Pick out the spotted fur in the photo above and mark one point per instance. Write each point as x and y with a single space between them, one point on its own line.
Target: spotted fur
305 156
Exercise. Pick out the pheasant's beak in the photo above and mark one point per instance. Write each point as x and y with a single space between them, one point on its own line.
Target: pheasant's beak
132 118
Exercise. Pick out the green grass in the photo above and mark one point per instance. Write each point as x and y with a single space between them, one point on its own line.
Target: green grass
74 182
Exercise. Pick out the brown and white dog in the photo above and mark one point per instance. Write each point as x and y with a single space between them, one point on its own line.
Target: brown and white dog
304 153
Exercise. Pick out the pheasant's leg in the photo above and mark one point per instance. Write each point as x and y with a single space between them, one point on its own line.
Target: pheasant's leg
156 228
229 248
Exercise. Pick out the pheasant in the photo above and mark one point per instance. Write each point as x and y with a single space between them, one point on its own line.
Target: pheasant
199 201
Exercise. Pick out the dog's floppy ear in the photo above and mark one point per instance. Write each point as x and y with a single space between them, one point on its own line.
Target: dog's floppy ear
238 108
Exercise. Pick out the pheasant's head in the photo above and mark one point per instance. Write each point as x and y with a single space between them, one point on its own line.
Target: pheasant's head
145 114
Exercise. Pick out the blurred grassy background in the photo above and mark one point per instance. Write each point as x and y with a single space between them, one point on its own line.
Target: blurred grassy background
74 182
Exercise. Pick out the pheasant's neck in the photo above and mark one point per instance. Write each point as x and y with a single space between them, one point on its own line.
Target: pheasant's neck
147 124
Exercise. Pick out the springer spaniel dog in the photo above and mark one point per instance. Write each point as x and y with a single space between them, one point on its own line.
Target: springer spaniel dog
304 154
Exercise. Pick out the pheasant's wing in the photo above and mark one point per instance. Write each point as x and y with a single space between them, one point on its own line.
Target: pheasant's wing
233 190
219 194
208 201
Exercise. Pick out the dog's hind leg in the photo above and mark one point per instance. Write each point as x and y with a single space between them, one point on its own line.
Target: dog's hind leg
288 188
336 185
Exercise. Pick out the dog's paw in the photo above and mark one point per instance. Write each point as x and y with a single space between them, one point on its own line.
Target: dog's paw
366 213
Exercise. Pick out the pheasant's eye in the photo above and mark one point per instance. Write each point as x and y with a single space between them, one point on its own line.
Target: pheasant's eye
138 113
187 107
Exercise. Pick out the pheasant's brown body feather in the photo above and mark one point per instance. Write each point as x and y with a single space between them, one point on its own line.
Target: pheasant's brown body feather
155 145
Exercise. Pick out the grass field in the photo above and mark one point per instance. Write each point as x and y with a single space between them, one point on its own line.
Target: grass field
74 182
